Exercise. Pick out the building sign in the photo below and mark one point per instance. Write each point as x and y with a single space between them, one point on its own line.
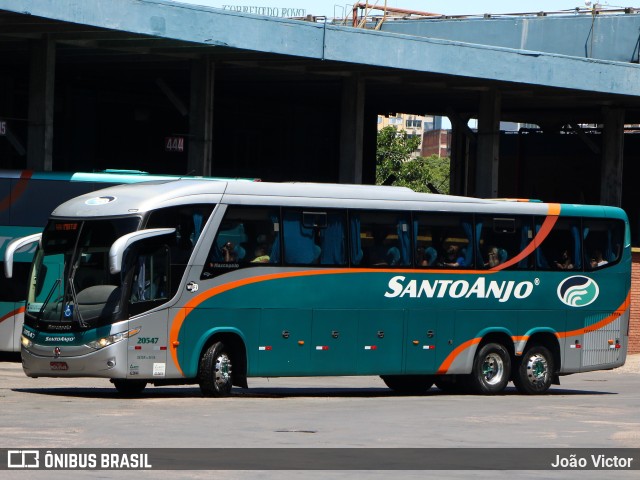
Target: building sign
174 144
267 11
3 127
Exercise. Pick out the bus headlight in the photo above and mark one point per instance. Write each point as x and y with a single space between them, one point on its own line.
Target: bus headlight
26 343
111 339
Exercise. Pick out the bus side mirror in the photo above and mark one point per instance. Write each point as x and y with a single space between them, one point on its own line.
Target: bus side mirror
11 249
116 252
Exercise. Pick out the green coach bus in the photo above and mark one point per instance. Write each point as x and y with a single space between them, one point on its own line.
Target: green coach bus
189 281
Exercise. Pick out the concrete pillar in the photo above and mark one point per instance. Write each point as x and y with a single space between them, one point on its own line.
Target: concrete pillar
200 160
488 152
612 157
351 130
463 139
41 93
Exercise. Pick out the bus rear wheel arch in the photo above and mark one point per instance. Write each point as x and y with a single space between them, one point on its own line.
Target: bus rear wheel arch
491 369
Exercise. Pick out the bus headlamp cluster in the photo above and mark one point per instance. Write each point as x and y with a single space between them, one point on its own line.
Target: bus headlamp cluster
26 343
111 339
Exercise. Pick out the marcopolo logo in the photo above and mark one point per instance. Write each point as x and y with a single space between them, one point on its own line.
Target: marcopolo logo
578 291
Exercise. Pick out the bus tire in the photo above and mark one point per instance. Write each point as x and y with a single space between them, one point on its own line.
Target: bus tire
408 384
535 371
215 375
453 383
129 387
491 369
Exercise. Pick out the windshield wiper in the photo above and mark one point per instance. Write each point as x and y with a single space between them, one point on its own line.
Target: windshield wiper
46 301
74 297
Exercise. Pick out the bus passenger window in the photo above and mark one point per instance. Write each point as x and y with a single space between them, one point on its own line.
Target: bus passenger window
301 238
603 242
443 240
247 237
561 250
502 239
385 239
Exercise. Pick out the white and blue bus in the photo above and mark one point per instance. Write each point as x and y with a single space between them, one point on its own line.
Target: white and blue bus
187 281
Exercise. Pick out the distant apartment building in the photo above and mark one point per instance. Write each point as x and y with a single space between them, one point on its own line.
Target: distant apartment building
433 140
436 142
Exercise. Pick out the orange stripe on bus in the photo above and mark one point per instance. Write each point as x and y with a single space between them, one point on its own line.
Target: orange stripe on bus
12 314
547 225
179 318
605 321
453 355
17 190
591 328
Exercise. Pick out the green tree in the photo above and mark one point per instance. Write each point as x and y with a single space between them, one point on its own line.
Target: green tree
394 165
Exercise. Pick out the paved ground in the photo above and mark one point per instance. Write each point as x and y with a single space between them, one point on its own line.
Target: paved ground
596 409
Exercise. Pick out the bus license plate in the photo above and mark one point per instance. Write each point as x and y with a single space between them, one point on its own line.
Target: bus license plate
59 365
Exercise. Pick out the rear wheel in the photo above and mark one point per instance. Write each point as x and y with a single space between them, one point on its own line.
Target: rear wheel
215 376
535 371
453 383
408 384
491 369
129 387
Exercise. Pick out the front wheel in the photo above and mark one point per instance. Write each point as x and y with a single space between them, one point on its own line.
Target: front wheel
535 371
215 375
408 384
129 387
491 369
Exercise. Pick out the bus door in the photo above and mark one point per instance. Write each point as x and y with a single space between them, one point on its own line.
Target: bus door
284 345
379 346
334 337
147 350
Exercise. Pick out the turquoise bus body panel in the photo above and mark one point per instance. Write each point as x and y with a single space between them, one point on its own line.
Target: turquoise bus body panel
387 321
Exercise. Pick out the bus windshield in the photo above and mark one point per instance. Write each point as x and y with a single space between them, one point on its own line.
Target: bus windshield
70 278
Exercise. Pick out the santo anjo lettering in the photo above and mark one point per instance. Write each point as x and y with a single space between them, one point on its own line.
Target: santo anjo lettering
400 286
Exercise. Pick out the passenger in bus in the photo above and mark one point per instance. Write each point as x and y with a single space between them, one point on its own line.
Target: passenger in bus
381 254
492 257
261 254
565 261
454 257
427 256
229 253
597 261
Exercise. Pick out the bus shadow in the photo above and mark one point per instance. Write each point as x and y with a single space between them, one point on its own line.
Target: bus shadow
283 392
10 357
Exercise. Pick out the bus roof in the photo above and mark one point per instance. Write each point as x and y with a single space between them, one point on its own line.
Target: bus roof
145 196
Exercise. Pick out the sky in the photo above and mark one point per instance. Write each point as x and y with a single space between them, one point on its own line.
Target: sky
333 8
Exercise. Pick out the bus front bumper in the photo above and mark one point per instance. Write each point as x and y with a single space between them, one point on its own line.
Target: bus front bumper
108 362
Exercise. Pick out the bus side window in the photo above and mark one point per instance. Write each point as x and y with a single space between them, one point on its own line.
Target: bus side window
385 239
603 242
562 249
443 240
502 238
301 239
189 221
247 237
